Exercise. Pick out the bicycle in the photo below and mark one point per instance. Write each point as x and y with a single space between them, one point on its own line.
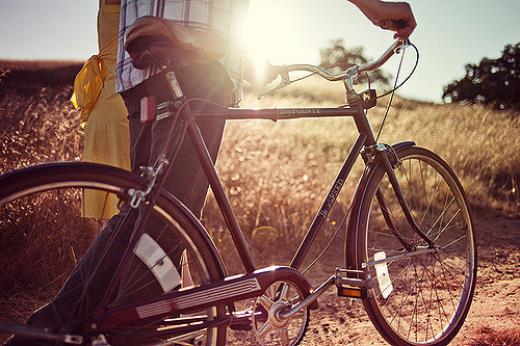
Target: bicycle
411 253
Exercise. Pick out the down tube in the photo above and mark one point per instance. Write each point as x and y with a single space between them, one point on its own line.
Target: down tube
328 203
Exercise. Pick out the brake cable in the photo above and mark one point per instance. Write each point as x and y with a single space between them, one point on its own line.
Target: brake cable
392 92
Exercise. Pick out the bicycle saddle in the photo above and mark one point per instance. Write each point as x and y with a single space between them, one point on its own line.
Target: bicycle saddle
152 40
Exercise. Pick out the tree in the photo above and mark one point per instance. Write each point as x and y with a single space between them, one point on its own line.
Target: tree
492 81
337 56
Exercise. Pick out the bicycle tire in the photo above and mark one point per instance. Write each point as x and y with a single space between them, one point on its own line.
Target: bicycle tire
388 305
25 194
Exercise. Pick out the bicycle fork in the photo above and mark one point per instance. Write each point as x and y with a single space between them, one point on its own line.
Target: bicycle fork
383 155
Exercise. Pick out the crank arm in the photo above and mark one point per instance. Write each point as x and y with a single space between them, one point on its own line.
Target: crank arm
310 299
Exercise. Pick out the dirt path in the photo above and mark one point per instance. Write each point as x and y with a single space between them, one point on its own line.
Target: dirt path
496 304
495 308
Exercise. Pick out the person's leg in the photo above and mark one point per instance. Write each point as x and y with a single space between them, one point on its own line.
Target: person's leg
187 180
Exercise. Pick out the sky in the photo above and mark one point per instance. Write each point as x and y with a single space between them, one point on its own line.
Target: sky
450 33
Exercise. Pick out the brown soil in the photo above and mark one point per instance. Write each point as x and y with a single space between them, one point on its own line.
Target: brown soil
494 317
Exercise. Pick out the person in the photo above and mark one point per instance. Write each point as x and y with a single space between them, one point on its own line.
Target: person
103 112
187 182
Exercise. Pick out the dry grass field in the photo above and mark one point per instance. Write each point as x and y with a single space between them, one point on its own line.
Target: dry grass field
277 174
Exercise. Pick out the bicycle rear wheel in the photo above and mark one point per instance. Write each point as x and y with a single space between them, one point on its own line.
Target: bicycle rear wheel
424 298
43 235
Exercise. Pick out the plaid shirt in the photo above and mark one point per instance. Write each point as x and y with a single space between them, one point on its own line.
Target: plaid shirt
220 16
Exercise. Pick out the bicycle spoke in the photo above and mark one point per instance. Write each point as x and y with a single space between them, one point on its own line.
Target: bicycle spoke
414 312
447 224
455 271
428 317
453 242
439 217
444 271
408 179
400 305
430 203
455 227
440 308
445 209
391 235
409 292
423 183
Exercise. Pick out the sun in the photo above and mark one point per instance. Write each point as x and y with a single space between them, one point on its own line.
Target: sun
266 32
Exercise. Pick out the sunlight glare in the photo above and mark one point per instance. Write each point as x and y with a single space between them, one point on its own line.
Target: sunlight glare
267 33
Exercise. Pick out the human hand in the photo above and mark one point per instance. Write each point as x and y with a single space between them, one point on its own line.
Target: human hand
394 16
258 73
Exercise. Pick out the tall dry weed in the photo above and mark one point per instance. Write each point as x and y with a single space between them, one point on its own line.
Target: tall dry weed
277 174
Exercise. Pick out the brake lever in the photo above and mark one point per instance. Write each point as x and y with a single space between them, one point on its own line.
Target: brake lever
283 83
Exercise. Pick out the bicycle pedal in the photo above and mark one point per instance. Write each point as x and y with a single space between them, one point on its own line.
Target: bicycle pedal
352 292
353 283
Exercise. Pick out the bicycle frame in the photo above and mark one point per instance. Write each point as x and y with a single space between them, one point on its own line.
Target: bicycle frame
364 141
280 114
365 144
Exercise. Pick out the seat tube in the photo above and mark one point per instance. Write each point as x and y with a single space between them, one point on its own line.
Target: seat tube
220 196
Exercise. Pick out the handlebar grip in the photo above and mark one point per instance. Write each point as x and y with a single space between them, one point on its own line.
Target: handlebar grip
391 24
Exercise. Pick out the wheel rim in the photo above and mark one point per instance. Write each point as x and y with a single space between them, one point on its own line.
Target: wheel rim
431 292
55 207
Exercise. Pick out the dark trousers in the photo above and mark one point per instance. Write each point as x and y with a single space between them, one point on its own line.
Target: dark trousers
86 286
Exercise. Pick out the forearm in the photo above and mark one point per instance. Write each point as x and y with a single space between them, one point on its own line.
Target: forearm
366 4
372 9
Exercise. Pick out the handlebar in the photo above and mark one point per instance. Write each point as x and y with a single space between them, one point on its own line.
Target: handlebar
373 65
370 66
351 73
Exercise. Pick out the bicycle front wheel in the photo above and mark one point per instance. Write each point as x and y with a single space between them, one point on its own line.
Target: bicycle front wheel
421 295
43 235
